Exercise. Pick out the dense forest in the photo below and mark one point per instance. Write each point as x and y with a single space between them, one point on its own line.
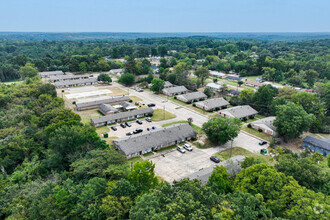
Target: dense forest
54 167
296 63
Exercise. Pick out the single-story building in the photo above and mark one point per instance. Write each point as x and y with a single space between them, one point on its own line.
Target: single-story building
266 125
127 106
253 84
191 97
212 104
233 92
176 90
117 72
215 87
107 109
234 78
143 143
47 74
217 74
168 84
122 116
79 82
317 145
243 111
56 78
94 104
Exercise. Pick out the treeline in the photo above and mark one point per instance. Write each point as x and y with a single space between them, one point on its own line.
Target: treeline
296 63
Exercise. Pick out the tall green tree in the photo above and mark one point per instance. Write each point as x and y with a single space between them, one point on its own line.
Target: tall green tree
28 71
157 85
202 73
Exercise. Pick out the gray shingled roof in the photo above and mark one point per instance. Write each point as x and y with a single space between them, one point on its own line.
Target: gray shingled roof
73 82
193 95
121 115
176 89
234 92
234 78
51 73
213 103
105 108
265 122
214 86
63 77
321 143
166 135
167 84
102 101
239 111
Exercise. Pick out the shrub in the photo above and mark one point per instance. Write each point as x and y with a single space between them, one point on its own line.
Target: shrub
194 104
224 107
249 125
195 100
244 119
201 99
130 100
189 102
193 139
150 114
260 130
217 108
251 117
174 97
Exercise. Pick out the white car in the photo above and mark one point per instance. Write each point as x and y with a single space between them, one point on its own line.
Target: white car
187 147
181 149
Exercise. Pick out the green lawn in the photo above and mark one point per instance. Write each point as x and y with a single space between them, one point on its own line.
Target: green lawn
148 154
225 155
254 132
166 149
159 115
101 130
133 160
135 99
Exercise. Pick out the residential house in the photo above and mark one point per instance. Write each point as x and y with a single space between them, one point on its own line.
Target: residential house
234 78
107 109
243 111
317 145
57 78
217 74
94 104
168 84
122 116
176 90
47 74
212 104
266 125
253 84
117 72
72 83
154 69
232 92
127 106
215 87
143 143
192 97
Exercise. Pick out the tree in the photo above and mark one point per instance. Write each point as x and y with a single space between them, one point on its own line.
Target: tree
127 79
310 76
143 176
190 120
240 83
104 78
208 91
221 130
246 96
83 67
157 85
286 92
28 71
263 98
219 181
292 120
202 73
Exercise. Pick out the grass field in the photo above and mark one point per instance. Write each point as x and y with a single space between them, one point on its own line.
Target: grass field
135 99
159 115
166 149
225 155
117 91
102 130
87 115
254 132
134 160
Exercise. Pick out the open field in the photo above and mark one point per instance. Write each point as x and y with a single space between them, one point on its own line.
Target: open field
159 115
254 132
87 115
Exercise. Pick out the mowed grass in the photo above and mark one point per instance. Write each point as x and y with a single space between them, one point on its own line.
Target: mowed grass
225 155
160 115
254 132
101 130
134 160
135 99
87 115
165 149
117 91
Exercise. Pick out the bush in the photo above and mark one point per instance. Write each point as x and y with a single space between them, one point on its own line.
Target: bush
260 130
217 108
150 114
251 117
130 100
195 100
174 97
244 119
224 107
201 99
193 139
249 125
194 104
189 102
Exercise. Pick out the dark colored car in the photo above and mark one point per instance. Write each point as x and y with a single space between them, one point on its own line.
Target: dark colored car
139 122
151 105
215 159
139 130
114 128
128 134
128 124
262 142
123 125
154 128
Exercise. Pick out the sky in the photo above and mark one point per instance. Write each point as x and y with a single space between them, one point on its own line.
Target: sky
165 15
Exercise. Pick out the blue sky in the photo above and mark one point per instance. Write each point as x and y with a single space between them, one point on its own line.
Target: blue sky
165 15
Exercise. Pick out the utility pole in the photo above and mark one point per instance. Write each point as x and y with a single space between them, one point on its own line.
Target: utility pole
164 111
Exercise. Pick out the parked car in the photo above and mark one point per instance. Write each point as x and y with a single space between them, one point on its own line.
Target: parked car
148 129
139 130
148 119
154 128
181 149
128 134
128 124
114 128
123 125
151 105
262 142
215 159
139 122
187 147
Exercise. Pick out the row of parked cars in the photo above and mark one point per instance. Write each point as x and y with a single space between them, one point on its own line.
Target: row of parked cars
187 147
128 124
